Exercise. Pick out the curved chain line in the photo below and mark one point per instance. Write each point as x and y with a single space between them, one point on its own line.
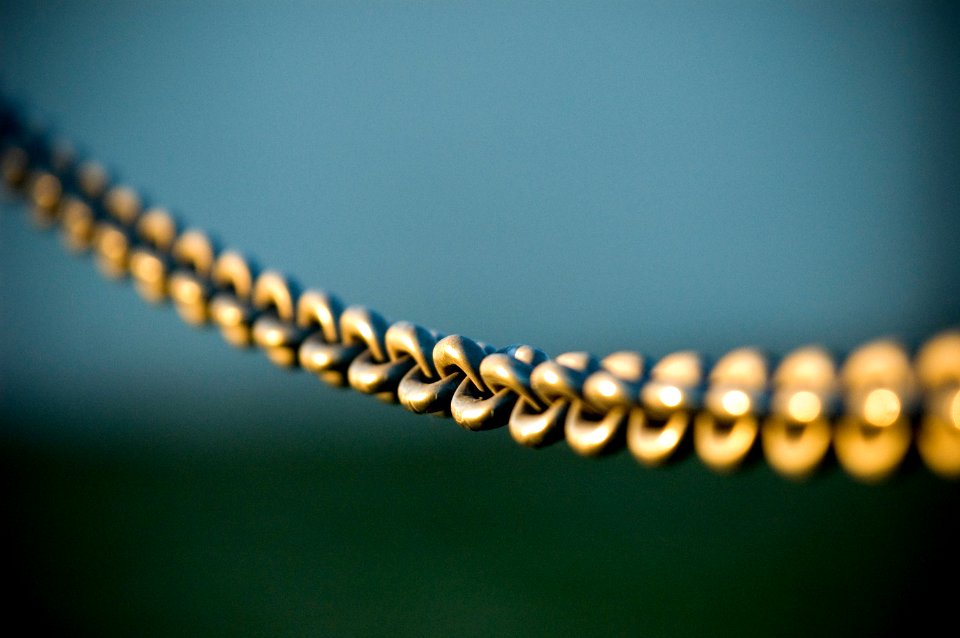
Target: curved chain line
866 413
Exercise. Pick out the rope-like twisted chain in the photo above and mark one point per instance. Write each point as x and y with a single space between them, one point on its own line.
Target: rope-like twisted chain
870 408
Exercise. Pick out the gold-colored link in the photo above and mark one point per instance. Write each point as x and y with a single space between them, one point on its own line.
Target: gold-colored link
275 330
589 434
77 223
655 431
455 354
796 436
111 239
149 267
616 384
421 389
461 356
596 423
230 307
511 371
481 406
111 247
123 204
872 438
406 339
938 370
564 376
322 352
725 430
189 283
557 383
372 371
507 376
45 192
93 180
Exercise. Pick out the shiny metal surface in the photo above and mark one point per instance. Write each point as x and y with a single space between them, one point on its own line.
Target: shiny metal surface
422 389
874 434
189 285
870 412
796 434
938 370
557 382
322 351
150 260
231 308
274 329
725 431
655 431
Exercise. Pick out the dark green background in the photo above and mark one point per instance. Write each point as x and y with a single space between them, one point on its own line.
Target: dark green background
652 176
468 535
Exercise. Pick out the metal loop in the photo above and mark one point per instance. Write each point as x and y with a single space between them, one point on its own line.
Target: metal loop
938 369
93 180
460 357
274 329
616 384
796 435
484 407
870 454
873 437
149 262
595 423
506 374
724 432
653 443
381 379
939 444
674 385
194 251
321 351
455 354
230 307
421 395
405 339
422 389
189 284
319 309
360 325
535 427
45 193
371 371
655 431
511 371
77 224
879 383
563 377
123 204
111 236
556 383
589 434
111 245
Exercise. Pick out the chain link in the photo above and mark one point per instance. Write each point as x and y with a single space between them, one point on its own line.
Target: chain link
869 409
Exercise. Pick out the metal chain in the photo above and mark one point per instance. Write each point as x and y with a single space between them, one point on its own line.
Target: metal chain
869 408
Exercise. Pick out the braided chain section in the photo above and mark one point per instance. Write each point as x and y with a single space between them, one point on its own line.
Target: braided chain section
868 409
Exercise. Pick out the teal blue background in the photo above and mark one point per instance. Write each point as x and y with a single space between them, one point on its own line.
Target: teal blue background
655 177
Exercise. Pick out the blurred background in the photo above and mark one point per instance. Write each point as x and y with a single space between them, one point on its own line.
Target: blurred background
575 176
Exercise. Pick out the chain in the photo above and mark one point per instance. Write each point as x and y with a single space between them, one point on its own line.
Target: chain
870 409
